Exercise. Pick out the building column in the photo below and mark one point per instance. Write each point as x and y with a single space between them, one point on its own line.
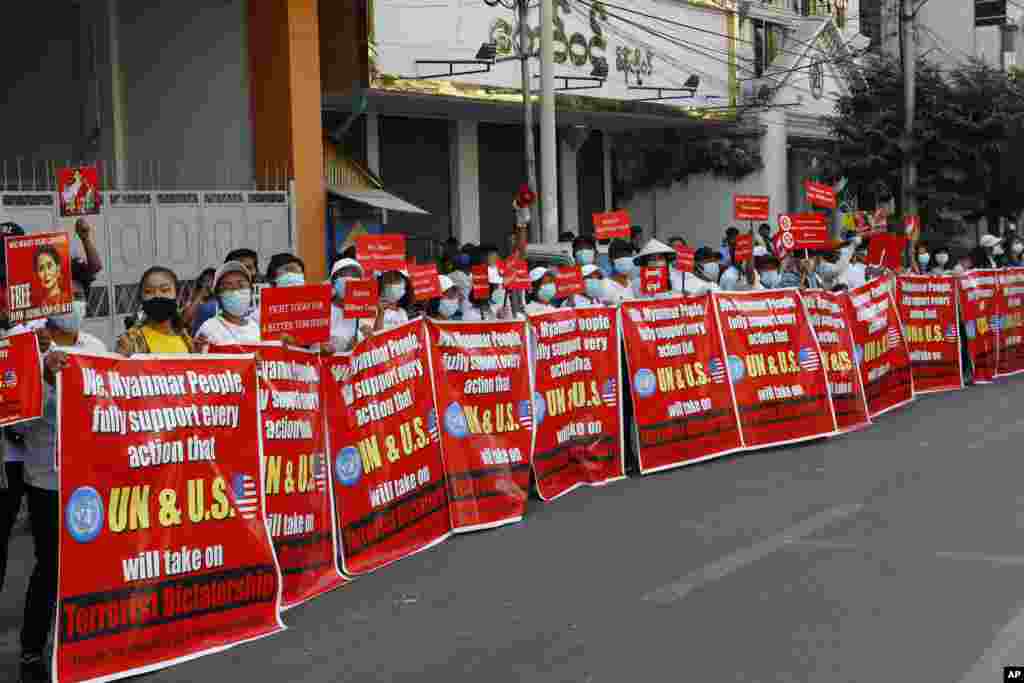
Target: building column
284 67
568 186
606 167
465 181
373 144
776 161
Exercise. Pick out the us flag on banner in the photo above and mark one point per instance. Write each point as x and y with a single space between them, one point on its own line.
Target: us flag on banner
320 473
526 414
435 435
247 497
894 337
809 360
608 393
951 334
717 370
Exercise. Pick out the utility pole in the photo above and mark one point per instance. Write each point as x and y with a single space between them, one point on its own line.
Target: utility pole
548 143
531 151
908 16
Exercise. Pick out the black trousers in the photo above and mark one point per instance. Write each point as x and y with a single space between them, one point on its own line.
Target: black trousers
10 504
41 599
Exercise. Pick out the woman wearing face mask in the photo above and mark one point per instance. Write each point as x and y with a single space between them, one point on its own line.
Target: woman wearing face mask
448 305
36 444
767 267
159 329
345 332
594 293
655 254
286 270
233 324
584 251
922 259
496 306
704 278
542 296
619 284
395 299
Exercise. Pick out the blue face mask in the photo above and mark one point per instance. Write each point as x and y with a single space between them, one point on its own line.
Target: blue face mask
595 288
625 265
393 293
585 257
447 308
290 280
546 292
339 287
237 302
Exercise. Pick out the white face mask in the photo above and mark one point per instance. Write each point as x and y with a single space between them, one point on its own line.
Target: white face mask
393 293
942 259
624 265
498 297
448 307
595 288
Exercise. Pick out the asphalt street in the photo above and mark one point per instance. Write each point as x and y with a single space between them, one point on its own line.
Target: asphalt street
892 554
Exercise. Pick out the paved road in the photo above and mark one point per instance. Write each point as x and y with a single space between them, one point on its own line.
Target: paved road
893 554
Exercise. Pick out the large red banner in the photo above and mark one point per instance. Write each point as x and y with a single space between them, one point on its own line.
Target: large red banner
774 362
683 409
927 306
979 312
829 320
389 479
578 430
482 389
21 383
164 549
1011 321
296 470
881 353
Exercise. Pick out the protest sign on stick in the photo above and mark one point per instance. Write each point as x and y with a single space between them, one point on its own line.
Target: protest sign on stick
304 313
38 276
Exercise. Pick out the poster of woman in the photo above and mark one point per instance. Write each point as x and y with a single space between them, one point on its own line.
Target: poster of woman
79 191
38 276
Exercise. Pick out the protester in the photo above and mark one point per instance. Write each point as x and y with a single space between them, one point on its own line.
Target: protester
395 300
636 237
989 252
345 332
704 278
619 284
1015 252
542 295
495 306
940 261
963 264
194 317
37 444
739 277
922 258
448 305
234 323
594 293
655 254
161 329
584 250
728 245
766 265
764 232
286 270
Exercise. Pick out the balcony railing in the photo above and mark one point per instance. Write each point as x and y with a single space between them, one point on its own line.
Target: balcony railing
810 8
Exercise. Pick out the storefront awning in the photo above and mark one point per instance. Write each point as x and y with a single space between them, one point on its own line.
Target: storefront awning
377 198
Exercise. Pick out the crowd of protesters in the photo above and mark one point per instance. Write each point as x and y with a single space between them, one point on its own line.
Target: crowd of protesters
221 308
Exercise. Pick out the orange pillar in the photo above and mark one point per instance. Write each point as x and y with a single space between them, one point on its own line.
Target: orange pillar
284 67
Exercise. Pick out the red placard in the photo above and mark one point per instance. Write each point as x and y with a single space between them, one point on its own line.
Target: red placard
164 549
481 282
21 384
486 415
296 469
38 276
774 362
78 191
886 250
517 274
801 231
1011 321
979 311
912 227
380 253
828 314
820 195
612 224
684 258
683 409
653 280
425 282
750 207
569 281
361 299
928 309
879 348
744 248
578 400
303 312
384 440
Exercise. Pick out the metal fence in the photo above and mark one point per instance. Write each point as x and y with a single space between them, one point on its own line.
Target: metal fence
23 174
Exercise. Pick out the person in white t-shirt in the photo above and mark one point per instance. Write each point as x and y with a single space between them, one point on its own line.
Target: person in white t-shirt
704 279
542 295
345 332
595 293
233 324
619 285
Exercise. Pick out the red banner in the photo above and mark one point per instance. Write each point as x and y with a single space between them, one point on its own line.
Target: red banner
380 253
928 310
383 432
684 258
1011 321
296 470
164 549
979 311
683 409
425 282
820 195
750 207
881 353
653 280
304 313
361 299
21 383
612 224
578 400
78 191
774 362
486 413
569 281
744 248
38 276
828 314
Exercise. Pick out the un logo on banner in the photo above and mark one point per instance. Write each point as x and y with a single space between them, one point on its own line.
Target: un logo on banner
84 514
348 466
737 370
455 421
645 383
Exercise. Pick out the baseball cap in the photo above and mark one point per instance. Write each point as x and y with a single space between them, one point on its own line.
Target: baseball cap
230 267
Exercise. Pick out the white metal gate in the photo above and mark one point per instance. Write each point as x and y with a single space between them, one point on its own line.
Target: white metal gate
186 231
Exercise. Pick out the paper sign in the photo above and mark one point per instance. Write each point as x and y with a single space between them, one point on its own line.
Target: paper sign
300 312
653 280
481 282
361 298
425 282
612 224
820 195
78 191
744 248
886 250
380 253
38 276
516 274
801 231
684 258
568 281
750 207
912 227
